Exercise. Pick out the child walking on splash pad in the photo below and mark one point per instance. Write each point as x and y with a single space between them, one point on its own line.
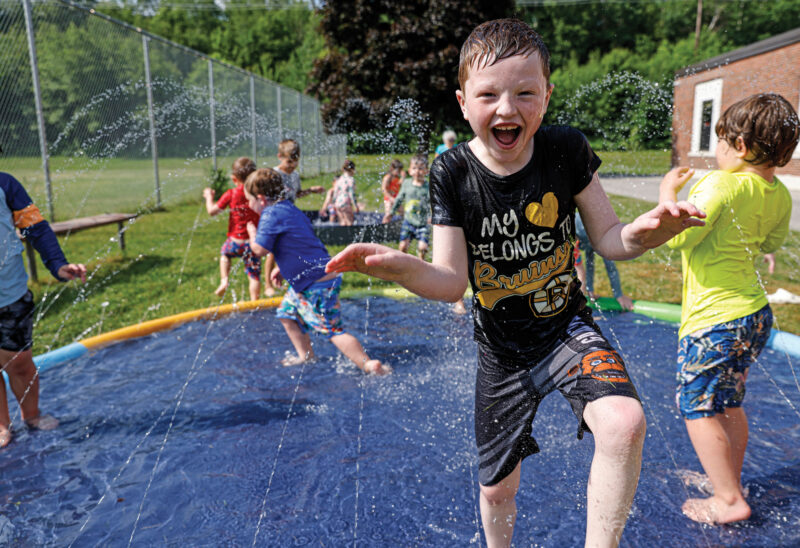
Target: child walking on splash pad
236 244
503 217
17 211
725 317
312 300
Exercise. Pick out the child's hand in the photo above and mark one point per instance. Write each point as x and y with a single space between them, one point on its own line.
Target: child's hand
208 193
317 189
373 259
661 223
72 271
276 277
252 230
673 182
387 218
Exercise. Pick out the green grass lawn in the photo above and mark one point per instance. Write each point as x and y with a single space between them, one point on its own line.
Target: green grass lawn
171 265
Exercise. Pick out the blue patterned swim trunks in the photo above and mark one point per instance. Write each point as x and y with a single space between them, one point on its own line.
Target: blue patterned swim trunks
315 309
713 363
252 263
409 232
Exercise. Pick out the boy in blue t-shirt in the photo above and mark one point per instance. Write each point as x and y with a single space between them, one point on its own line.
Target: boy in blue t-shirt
17 211
312 301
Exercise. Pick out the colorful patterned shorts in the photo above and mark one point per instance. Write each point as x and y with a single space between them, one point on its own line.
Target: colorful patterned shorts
316 309
252 263
409 232
713 364
16 324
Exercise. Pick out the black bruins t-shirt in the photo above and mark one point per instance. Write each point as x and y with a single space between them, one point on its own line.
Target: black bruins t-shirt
520 231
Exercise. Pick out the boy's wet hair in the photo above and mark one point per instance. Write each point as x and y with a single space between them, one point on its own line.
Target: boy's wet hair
348 165
289 148
768 125
494 40
242 168
265 182
421 159
396 164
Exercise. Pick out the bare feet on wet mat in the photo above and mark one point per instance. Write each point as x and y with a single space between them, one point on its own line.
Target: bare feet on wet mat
42 422
376 367
5 436
714 510
294 359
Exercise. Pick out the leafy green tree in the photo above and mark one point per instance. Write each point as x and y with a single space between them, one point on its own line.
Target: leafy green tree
382 51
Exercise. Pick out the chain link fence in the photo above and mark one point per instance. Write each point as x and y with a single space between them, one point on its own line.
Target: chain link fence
99 116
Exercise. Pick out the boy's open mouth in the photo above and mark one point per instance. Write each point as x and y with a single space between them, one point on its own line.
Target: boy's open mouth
506 136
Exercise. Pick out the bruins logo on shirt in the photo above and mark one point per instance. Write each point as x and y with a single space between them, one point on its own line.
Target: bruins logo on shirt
552 297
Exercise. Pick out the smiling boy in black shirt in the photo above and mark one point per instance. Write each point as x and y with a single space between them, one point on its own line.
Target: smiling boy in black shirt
503 215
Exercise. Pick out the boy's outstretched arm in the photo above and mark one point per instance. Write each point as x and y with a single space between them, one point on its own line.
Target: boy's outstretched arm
211 207
444 279
617 241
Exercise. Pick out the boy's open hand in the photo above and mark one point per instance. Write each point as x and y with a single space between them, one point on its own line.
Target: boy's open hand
673 182
661 223
208 193
72 271
372 259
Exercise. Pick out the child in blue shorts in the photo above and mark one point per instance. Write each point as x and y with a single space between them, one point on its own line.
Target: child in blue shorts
17 211
312 300
414 198
725 319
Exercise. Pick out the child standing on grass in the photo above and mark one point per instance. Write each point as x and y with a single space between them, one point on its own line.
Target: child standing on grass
390 184
414 198
725 316
288 160
236 244
344 194
17 211
312 300
503 213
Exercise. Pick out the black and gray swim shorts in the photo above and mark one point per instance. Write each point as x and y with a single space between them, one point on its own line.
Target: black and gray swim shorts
16 324
582 365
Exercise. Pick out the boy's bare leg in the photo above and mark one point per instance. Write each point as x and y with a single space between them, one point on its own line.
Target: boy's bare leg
224 271
350 347
269 265
404 245
24 381
499 509
301 342
254 287
734 422
618 425
715 450
5 417
422 249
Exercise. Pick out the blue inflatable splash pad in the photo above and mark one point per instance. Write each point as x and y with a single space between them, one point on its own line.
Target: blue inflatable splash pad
199 437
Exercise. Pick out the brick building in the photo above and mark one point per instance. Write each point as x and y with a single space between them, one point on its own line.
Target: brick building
703 91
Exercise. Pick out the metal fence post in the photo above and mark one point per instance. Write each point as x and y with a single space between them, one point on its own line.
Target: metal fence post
253 117
280 114
300 126
318 140
211 113
151 115
37 94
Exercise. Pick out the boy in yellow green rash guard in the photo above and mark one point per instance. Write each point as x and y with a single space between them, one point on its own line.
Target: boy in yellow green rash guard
726 319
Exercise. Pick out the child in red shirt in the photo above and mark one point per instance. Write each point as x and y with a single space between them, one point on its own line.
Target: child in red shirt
236 245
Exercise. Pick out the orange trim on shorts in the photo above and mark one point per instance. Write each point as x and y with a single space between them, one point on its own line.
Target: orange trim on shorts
28 216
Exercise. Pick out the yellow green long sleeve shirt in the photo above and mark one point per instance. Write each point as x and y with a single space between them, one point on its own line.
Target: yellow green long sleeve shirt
746 217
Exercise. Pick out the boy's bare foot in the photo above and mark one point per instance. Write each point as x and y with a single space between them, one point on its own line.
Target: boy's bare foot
223 286
5 436
376 367
289 361
459 307
714 510
42 422
700 481
269 291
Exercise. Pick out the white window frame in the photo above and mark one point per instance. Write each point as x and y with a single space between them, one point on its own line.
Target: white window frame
705 91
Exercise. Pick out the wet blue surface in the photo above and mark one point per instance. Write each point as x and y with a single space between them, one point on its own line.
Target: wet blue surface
182 438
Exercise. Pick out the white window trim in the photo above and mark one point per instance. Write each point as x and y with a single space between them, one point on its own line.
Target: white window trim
705 91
